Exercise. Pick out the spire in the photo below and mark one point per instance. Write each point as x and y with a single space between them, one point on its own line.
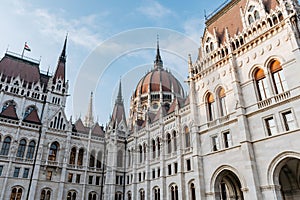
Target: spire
158 63
119 99
89 118
63 52
61 65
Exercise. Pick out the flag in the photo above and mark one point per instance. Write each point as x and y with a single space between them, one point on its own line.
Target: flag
26 47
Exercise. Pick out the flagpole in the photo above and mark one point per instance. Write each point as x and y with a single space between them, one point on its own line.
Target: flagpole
23 49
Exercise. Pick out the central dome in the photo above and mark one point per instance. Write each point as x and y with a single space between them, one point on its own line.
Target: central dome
159 80
157 88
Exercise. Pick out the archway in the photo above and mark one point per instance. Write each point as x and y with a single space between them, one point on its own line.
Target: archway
287 175
228 186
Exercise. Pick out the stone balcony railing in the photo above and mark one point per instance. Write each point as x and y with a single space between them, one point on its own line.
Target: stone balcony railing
274 100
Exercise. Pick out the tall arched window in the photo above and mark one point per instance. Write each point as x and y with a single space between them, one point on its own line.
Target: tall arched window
129 158
120 158
129 196
261 84
92 196
80 157
153 148
158 147
278 77
118 196
30 150
92 158
16 193
193 191
141 153
72 156
53 151
21 148
175 140
99 160
256 15
222 104
174 192
169 143
142 194
71 195
210 106
45 194
145 151
250 19
187 137
5 146
156 191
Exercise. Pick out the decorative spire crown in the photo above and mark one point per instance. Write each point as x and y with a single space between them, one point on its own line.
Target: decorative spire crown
63 52
119 99
158 63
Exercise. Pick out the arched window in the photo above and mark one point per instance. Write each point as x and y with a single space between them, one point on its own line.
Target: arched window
210 106
92 196
193 191
174 192
129 196
145 151
92 158
120 158
129 158
80 157
256 15
141 153
29 110
222 105
118 196
169 143
175 140
187 137
278 77
158 147
21 148
261 85
30 150
9 103
250 19
142 194
53 151
72 156
156 191
71 195
16 193
99 160
153 148
45 194
5 146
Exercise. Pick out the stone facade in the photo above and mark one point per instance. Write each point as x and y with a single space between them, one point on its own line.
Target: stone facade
233 137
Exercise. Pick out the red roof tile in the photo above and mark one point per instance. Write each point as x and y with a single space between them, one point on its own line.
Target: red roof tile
9 112
32 117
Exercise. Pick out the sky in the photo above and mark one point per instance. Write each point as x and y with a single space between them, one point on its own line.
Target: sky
108 41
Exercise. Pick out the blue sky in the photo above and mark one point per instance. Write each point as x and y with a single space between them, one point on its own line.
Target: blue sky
107 40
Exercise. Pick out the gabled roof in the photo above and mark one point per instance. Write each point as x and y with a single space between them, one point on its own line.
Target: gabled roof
13 66
98 130
61 65
32 117
9 112
79 127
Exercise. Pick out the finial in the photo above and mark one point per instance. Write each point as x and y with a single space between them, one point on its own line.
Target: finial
158 63
89 118
119 97
63 53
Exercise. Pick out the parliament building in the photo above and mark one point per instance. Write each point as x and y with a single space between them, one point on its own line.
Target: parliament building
231 136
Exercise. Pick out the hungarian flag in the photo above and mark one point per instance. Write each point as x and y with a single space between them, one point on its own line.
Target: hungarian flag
26 47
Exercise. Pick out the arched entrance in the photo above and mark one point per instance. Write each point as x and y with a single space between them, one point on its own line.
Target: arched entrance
287 175
228 186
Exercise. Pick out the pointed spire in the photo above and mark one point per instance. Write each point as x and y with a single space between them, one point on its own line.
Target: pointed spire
63 52
158 63
61 65
119 99
89 118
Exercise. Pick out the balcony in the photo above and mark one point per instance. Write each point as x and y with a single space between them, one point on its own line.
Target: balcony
274 100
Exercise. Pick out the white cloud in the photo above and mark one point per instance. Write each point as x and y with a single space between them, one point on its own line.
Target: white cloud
154 10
